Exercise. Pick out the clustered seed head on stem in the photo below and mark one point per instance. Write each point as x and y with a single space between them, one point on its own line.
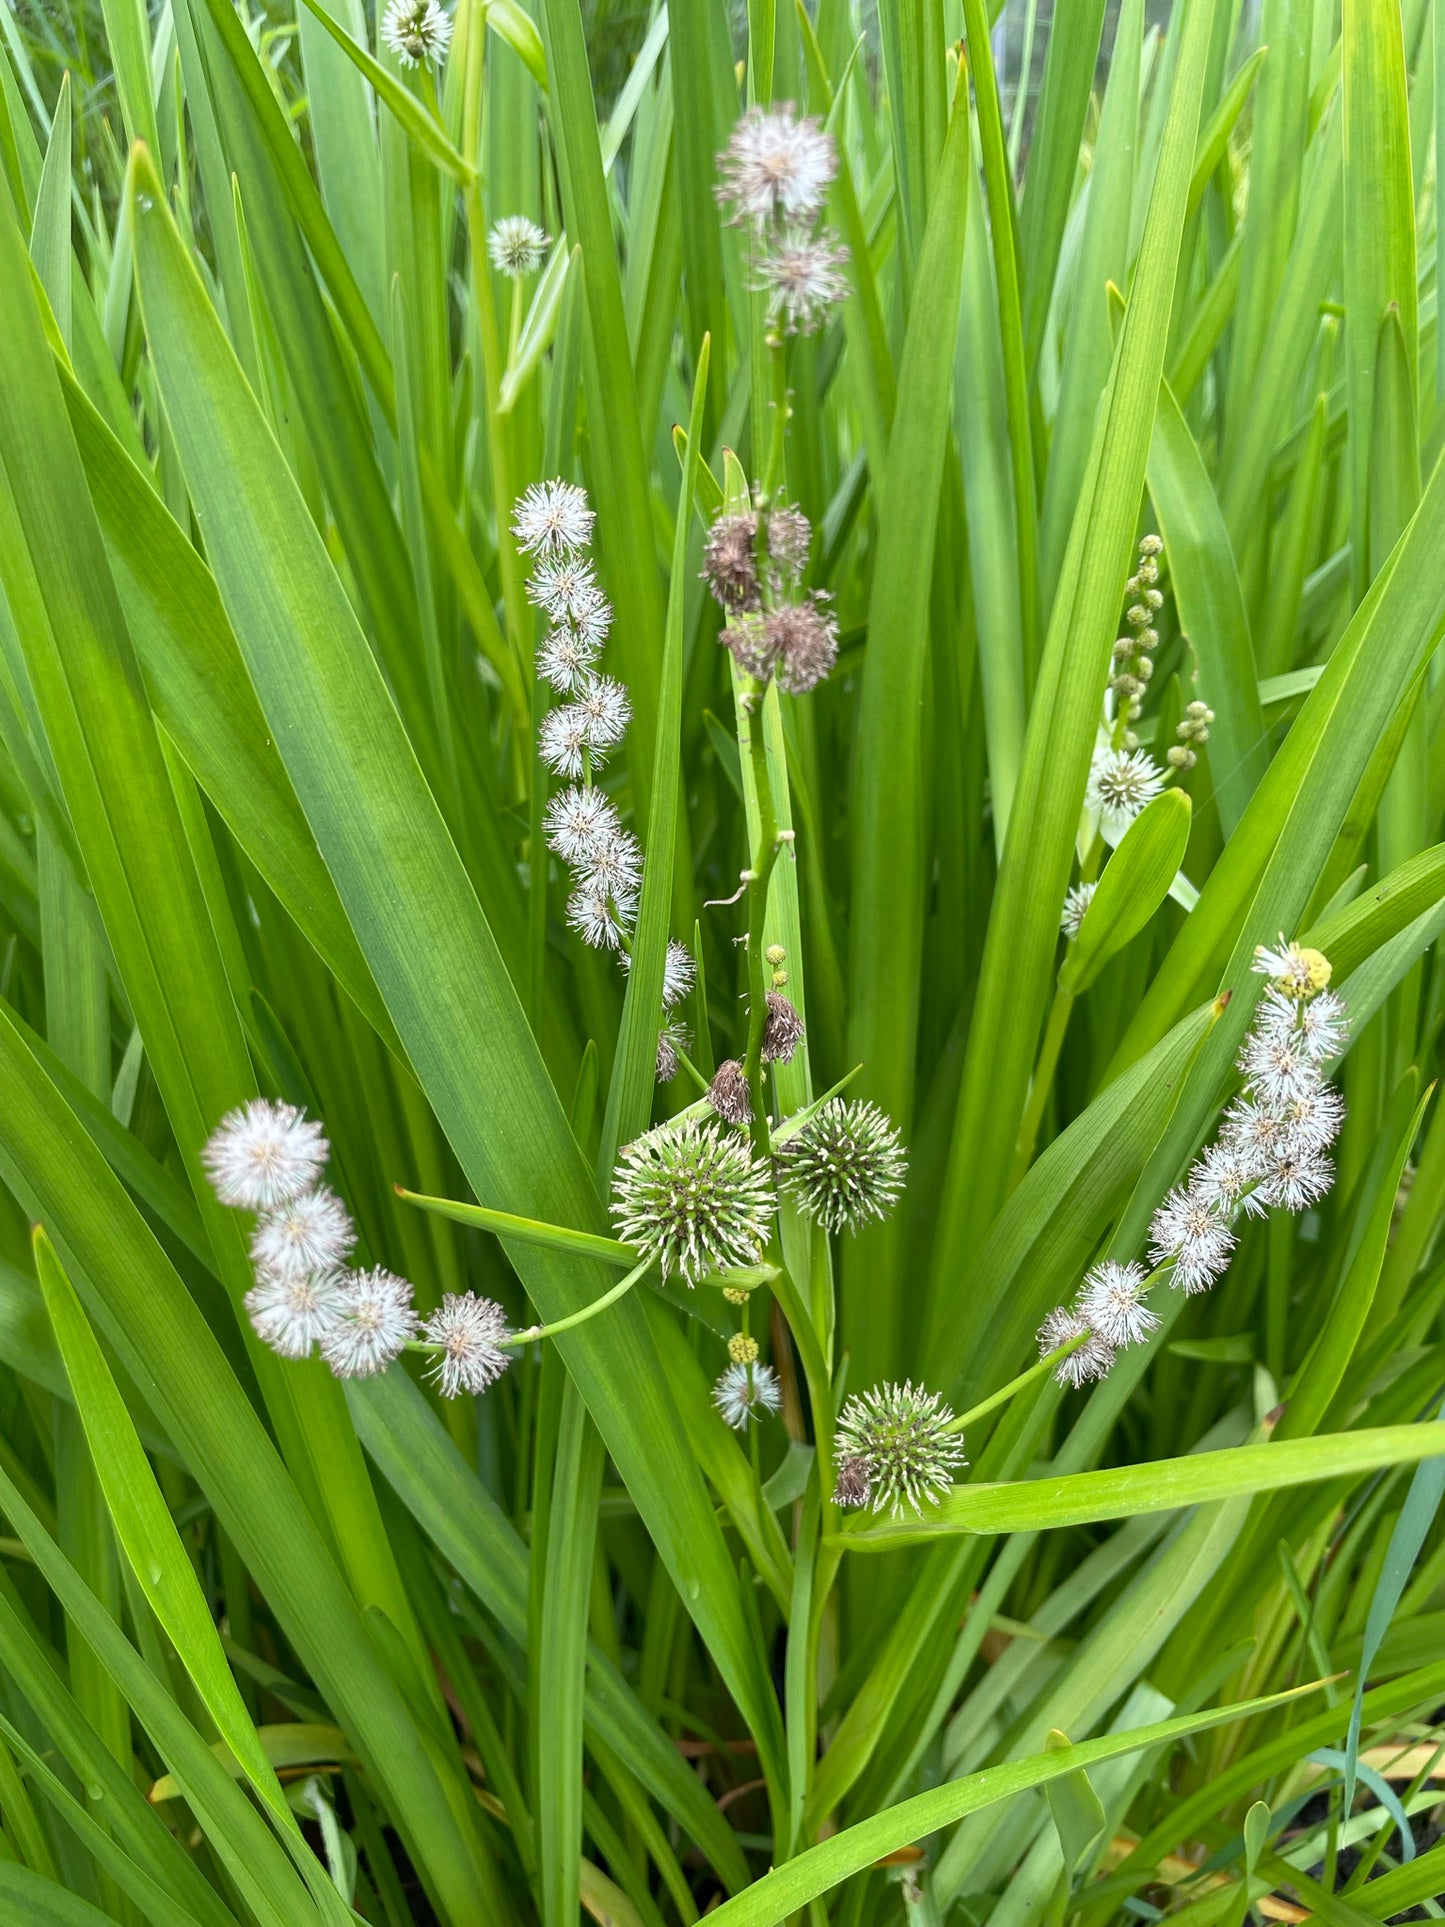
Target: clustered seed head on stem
1270 1153
1133 662
693 1196
845 1167
774 629
268 1158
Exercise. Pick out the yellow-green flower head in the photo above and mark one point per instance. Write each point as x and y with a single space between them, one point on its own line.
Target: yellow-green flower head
1298 970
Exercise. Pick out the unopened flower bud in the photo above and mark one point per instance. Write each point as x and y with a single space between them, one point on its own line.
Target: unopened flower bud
1150 545
775 954
742 1349
734 1296
1181 758
1145 669
1138 615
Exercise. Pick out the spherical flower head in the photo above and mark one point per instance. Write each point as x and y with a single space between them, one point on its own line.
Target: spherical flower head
790 540
1113 1303
745 1390
729 1095
293 1314
845 1166
613 866
312 1233
1121 783
577 822
851 1485
599 918
1298 970
1277 1068
563 585
1075 904
606 708
470 1332
749 639
1313 1122
729 563
694 1196
1324 1026
782 1030
374 1324
1297 1179
264 1154
1188 1229
1087 1362
564 657
900 1434
776 164
516 246
562 740
552 518
803 642
417 32
1223 1174
802 276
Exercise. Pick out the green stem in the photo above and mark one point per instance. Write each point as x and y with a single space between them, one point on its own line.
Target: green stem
760 876
1016 1385
572 1319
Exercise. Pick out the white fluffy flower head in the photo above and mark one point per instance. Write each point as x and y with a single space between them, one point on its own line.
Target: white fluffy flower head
1188 1229
564 657
1114 1304
470 1332
1277 1067
562 741
264 1154
1088 1361
1121 783
777 165
577 822
746 1389
374 1324
417 32
802 276
553 518
293 1314
312 1233
564 585
516 246
1298 970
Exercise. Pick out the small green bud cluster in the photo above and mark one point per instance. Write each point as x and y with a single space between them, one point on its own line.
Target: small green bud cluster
1134 652
1193 729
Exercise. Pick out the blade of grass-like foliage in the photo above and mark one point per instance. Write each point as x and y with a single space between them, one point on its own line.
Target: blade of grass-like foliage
50 226
1211 608
689 57
1068 78
564 1574
148 1534
626 536
781 1892
1023 924
128 37
420 124
41 1901
888 854
1121 1492
1103 258
420 927
634 1073
1379 234
198 686
344 135
1417 1515
1135 882
252 1855
455 1510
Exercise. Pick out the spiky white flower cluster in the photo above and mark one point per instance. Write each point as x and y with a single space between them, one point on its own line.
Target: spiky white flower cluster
1121 783
553 524
745 1389
418 32
516 246
895 1448
776 169
267 1157
1071 920
1271 1152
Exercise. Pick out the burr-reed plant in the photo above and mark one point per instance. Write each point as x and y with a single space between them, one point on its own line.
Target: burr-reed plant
721 792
